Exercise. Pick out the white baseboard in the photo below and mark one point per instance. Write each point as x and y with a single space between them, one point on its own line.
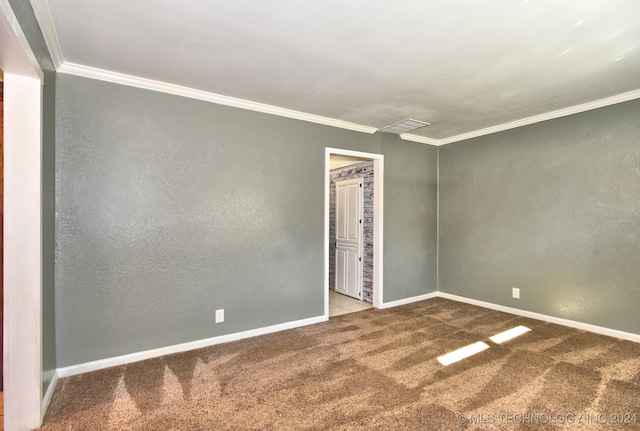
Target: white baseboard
49 393
148 354
545 318
409 300
177 348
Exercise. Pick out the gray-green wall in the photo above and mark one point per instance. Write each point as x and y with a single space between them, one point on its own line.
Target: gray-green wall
410 214
29 25
551 208
169 208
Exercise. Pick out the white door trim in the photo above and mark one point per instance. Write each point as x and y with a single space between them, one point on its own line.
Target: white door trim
378 222
22 227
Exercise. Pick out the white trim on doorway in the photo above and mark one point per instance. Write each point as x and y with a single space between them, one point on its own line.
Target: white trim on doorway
378 201
22 226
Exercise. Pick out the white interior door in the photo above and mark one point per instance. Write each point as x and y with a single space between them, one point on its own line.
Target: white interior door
349 198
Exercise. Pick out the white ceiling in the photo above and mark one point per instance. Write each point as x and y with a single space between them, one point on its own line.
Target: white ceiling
462 66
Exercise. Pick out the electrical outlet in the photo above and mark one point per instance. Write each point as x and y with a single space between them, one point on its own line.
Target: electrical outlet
515 292
220 316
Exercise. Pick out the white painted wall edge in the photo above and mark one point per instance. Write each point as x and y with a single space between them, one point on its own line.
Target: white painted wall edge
545 318
22 252
184 347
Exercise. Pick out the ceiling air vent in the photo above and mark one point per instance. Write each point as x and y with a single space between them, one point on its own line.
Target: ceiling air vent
404 126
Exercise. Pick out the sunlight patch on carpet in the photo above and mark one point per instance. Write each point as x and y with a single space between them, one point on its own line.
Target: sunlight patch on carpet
123 408
464 352
172 390
509 334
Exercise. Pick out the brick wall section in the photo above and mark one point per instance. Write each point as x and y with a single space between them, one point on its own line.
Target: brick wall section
364 170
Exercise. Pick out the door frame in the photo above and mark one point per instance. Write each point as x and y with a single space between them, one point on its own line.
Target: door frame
378 221
360 242
23 79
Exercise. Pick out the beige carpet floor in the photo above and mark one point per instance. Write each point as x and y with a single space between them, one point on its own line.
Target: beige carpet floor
371 370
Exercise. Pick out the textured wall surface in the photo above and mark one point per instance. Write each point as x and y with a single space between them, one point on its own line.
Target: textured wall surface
410 221
552 208
365 171
31 29
169 208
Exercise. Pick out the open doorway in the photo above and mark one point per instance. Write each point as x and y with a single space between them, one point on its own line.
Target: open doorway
350 234
353 251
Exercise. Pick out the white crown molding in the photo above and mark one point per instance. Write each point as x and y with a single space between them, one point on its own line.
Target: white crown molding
42 13
149 84
420 139
619 98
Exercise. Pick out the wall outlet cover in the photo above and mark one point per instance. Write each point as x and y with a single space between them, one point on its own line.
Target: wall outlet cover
220 316
515 292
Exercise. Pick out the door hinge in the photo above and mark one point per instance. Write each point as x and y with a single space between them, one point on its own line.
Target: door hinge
360 185
360 221
360 258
